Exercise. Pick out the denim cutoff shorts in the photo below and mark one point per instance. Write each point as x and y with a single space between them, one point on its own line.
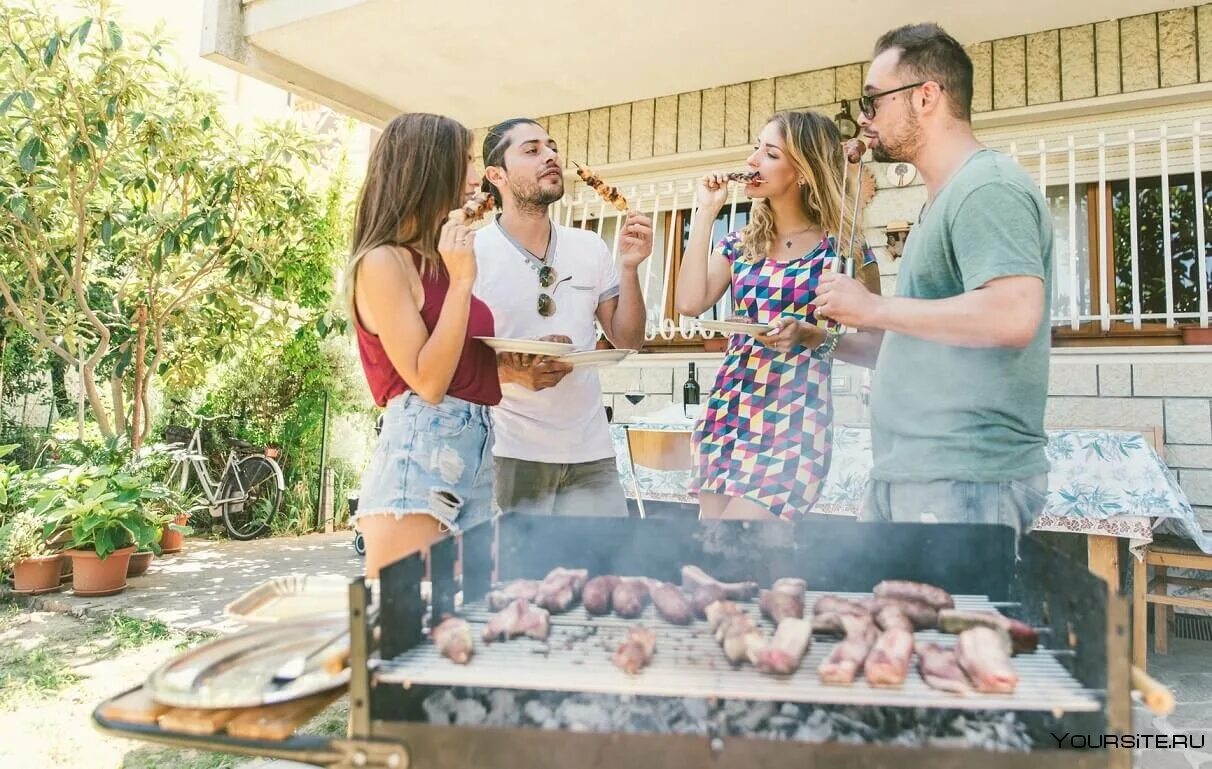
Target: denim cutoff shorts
432 460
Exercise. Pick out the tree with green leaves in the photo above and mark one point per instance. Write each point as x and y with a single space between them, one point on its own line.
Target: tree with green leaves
139 231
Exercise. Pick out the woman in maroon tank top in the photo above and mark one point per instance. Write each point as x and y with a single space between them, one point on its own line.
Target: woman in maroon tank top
408 282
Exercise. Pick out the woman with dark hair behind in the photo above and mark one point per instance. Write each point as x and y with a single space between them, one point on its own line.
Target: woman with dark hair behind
408 286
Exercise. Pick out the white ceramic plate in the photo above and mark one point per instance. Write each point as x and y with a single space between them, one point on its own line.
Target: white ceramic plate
733 327
595 358
527 346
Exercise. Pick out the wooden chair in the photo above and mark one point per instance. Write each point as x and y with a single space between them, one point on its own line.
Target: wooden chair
661 450
1163 554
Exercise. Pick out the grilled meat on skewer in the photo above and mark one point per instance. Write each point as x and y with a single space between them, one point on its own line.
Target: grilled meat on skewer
887 663
629 597
744 177
671 603
526 589
704 596
519 618
1023 637
596 594
608 193
854 149
474 209
693 578
778 605
782 656
636 650
933 596
940 669
982 655
452 637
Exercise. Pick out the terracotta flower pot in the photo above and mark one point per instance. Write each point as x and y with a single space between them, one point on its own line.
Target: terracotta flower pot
172 541
139 563
1196 335
92 576
37 575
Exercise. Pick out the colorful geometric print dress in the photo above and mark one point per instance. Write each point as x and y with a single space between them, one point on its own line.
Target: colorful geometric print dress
767 430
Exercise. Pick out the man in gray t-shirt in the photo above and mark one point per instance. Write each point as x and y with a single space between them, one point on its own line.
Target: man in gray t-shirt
957 400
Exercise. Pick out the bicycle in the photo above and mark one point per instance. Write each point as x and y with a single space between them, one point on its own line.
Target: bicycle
248 492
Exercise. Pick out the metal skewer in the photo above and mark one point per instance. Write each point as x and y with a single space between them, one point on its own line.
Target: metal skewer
841 216
851 268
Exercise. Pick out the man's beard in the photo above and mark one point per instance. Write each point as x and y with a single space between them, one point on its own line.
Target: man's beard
903 148
534 198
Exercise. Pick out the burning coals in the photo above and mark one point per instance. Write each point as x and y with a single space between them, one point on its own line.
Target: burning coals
732 718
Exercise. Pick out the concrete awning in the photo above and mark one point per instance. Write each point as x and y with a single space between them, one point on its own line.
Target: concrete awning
484 60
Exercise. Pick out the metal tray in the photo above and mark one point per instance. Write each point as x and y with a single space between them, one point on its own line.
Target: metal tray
236 671
292 597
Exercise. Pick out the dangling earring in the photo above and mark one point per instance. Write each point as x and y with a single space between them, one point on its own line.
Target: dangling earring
800 183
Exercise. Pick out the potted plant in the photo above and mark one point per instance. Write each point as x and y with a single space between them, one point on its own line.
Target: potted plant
24 551
106 525
1193 333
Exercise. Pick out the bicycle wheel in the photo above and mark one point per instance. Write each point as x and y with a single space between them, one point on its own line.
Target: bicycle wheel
177 478
249 517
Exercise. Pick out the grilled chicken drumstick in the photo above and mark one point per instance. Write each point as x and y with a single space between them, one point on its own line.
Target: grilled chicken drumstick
693 578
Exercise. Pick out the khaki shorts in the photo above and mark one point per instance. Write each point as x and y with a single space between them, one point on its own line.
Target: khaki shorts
542 488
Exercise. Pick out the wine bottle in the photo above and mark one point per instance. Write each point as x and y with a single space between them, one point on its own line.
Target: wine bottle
690 395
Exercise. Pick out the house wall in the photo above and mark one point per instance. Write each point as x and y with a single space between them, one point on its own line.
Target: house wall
1019 81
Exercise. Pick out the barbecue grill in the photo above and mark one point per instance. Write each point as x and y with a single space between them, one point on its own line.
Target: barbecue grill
1077 682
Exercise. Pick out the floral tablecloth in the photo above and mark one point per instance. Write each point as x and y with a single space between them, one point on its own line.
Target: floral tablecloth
1101 482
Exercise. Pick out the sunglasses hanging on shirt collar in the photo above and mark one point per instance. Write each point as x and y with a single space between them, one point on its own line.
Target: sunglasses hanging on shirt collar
547 279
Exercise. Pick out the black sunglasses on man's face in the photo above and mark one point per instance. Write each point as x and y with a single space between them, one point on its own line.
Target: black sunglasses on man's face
867 101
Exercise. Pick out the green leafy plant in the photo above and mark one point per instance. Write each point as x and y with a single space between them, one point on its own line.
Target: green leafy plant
99 507
21 538
140 232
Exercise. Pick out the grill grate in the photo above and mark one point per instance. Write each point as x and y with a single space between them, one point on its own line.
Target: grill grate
689 663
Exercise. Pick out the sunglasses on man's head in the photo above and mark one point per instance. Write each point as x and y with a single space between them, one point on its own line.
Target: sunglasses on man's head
867 101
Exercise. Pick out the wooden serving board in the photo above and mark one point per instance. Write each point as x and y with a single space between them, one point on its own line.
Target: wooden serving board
268 722
277 722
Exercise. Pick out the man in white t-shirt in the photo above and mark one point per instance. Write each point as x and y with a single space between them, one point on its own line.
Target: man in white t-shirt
541 280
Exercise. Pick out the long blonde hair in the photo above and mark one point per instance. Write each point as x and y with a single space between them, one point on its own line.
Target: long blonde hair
813 146
415 178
